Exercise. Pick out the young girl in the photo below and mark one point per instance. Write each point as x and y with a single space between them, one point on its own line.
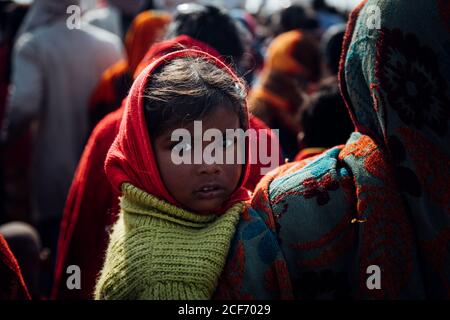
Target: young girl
176 222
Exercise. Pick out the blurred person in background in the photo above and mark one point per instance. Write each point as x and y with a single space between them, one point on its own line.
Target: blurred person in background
324 122
129 9
294 17
55 68
147 28
252 60
291 66
11 16
116 15
14 156
104 16
196 20
327 15
331 48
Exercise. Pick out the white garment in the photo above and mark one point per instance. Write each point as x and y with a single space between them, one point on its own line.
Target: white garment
106 18
55 70
43 12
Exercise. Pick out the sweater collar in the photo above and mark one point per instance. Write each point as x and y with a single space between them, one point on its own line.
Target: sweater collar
137 201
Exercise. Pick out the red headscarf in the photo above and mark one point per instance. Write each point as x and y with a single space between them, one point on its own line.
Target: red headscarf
131 158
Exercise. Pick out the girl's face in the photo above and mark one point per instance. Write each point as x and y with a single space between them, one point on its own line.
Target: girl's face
203 187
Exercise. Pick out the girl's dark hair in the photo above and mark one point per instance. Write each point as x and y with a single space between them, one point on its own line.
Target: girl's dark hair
187 89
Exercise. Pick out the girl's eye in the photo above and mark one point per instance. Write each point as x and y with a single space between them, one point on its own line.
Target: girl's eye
228 143
183 147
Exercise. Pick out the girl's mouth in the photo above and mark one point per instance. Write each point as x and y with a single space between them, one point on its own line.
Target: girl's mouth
209 191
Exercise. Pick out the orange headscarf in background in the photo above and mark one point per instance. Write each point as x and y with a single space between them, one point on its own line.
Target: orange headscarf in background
292 58
146 29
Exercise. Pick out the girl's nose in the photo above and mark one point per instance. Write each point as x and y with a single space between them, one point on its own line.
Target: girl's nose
209 169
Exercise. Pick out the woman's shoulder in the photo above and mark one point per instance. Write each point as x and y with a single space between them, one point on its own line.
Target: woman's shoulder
295 178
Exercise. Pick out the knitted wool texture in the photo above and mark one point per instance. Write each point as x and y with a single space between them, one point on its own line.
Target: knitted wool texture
159 251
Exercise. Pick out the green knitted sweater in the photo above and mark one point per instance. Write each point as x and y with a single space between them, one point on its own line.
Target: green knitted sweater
159 251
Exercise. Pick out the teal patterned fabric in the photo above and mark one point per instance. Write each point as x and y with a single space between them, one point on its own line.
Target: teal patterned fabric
383 199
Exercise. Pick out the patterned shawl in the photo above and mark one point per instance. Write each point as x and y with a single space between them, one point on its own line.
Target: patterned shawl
379 206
